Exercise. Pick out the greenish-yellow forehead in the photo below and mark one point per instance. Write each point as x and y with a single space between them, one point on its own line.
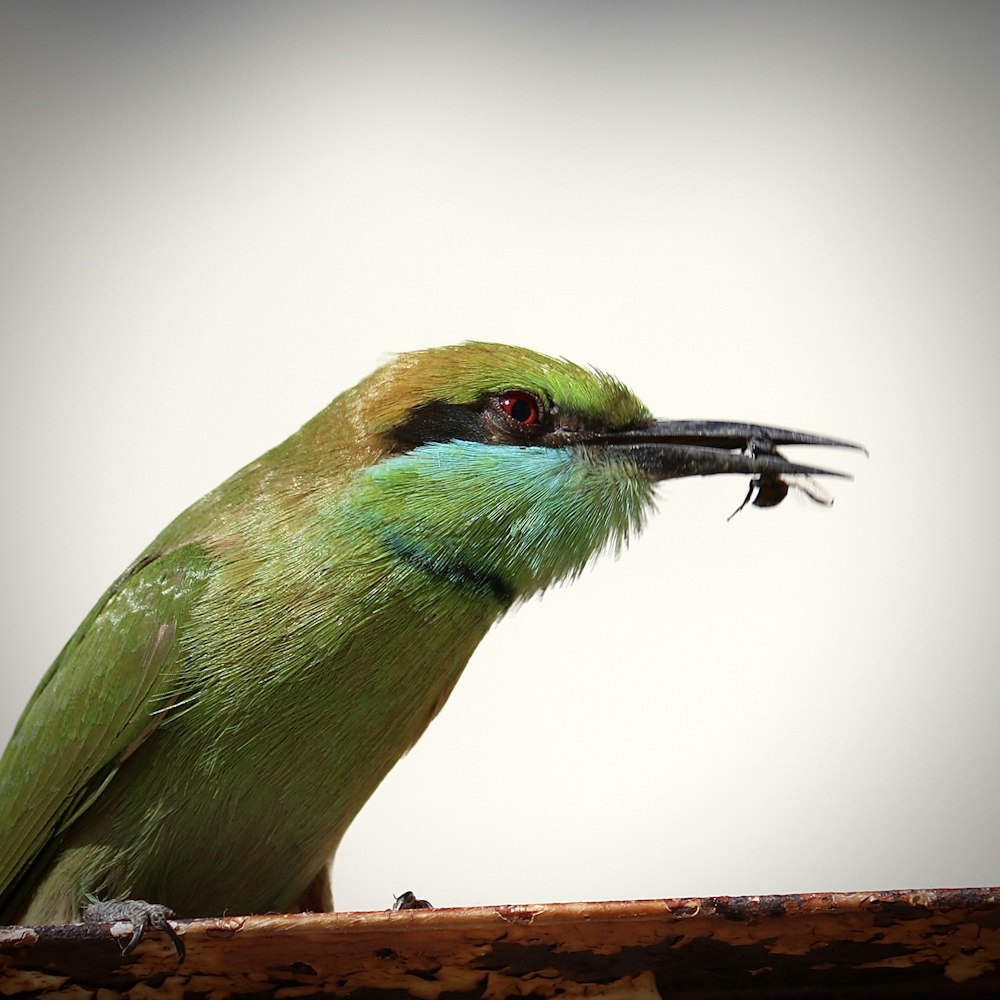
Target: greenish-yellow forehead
466 372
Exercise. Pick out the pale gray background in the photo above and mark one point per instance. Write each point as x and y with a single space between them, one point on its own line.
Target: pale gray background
216 217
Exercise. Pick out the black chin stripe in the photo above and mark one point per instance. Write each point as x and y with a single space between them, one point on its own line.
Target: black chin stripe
455 571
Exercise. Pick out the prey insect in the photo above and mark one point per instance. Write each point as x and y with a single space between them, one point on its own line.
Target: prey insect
772 488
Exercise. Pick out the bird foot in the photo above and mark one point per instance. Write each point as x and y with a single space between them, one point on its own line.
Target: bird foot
140 914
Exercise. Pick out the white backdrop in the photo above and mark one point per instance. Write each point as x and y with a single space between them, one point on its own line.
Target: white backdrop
216 217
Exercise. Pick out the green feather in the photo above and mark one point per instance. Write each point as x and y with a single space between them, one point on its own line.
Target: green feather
216 722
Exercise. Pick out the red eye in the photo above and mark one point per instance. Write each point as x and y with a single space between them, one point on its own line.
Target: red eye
520 406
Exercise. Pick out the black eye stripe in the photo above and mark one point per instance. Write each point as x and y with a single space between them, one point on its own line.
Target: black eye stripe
488 421
438 421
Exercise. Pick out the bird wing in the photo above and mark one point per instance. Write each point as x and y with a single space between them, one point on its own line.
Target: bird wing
113 684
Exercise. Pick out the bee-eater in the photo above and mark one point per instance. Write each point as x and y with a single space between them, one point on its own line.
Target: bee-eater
218 719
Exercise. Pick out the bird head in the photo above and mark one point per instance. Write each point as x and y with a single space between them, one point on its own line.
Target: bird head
500 469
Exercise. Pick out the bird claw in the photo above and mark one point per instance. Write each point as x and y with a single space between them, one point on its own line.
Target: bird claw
141 915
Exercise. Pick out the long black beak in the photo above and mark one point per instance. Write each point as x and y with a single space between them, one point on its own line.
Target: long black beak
670 449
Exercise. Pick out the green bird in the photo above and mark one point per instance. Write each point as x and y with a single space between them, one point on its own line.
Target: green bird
218 719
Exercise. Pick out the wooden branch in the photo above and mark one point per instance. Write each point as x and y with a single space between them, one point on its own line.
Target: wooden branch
922 943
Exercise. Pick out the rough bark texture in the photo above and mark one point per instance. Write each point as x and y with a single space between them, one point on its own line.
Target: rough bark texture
912 944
